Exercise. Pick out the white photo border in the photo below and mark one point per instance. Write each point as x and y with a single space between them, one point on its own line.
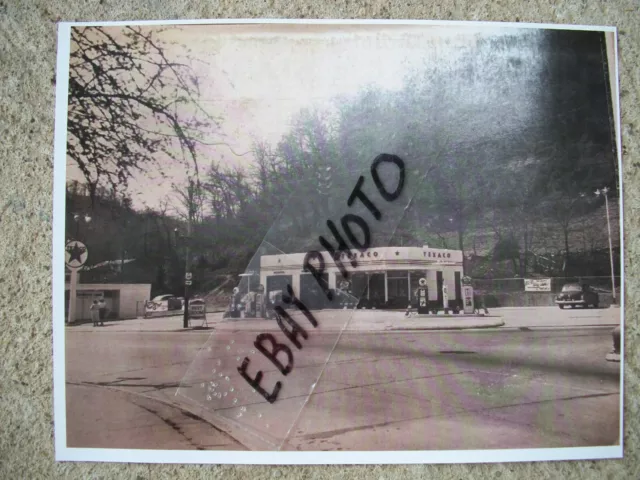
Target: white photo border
64 453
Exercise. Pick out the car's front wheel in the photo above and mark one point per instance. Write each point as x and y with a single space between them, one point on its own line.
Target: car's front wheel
561 307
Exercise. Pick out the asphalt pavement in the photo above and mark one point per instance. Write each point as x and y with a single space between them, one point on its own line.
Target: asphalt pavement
541 380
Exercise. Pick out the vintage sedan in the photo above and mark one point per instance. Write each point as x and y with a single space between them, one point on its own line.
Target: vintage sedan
574 294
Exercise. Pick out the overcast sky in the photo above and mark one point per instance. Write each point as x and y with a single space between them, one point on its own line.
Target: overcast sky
256 77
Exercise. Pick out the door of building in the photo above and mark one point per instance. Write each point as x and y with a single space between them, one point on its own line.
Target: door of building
376 289
277 282
398 288
311 294
360 285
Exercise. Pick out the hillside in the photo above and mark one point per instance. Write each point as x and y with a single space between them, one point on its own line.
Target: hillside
153 247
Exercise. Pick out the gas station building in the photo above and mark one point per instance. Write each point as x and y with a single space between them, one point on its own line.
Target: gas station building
123 301
387 277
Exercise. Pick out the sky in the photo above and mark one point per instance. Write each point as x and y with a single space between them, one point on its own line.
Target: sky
257 77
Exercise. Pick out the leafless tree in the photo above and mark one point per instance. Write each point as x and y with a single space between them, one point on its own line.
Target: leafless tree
130 105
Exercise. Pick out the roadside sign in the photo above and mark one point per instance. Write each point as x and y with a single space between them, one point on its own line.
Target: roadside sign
188 276
75 254
188 282
537 284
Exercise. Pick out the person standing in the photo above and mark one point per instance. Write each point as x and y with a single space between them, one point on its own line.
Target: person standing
102 310
95 313
235 303
261 303
478 302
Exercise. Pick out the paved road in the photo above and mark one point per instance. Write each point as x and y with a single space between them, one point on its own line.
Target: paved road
502 388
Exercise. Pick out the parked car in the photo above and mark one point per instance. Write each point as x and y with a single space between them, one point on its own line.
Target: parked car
197 308
573 294
162 303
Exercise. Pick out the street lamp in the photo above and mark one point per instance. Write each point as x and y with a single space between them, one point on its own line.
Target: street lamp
78 218
604 191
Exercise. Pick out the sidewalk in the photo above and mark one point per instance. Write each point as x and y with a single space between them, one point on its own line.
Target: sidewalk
359 320
380 321
553 317
371 321
155 324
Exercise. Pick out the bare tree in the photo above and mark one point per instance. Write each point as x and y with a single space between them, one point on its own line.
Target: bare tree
191 201
130 104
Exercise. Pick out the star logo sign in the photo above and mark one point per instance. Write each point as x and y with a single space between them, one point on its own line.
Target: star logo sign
76 252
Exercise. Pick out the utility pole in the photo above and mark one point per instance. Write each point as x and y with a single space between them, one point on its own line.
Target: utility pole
187 276
187 268
604 193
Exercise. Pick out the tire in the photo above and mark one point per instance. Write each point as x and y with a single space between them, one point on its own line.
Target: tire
573 305
561 307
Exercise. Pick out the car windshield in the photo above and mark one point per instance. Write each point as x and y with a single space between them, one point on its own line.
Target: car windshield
196 302
572 288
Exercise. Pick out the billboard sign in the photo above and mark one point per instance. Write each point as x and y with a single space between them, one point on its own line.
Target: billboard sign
537 284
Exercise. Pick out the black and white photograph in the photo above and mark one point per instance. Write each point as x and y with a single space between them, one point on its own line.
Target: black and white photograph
337 242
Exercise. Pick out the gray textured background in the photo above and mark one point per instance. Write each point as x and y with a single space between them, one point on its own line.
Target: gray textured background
27 90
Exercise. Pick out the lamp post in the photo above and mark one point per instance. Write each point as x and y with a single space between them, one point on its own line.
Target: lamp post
604 191
78 217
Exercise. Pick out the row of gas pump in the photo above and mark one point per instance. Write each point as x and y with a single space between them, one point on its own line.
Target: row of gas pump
424 306
257 304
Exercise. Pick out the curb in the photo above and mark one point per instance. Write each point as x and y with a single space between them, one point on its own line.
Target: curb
179 330
387 329
440 327
454 316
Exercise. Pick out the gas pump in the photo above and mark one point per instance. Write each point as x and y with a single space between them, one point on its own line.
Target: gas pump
249 302
467 299
261 303
445 299
423 297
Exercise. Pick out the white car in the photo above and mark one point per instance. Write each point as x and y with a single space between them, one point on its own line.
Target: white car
162 304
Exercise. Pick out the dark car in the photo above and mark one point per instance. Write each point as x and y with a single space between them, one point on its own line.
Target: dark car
573 294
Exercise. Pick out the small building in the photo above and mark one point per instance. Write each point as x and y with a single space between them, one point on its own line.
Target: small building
383 278
124 301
